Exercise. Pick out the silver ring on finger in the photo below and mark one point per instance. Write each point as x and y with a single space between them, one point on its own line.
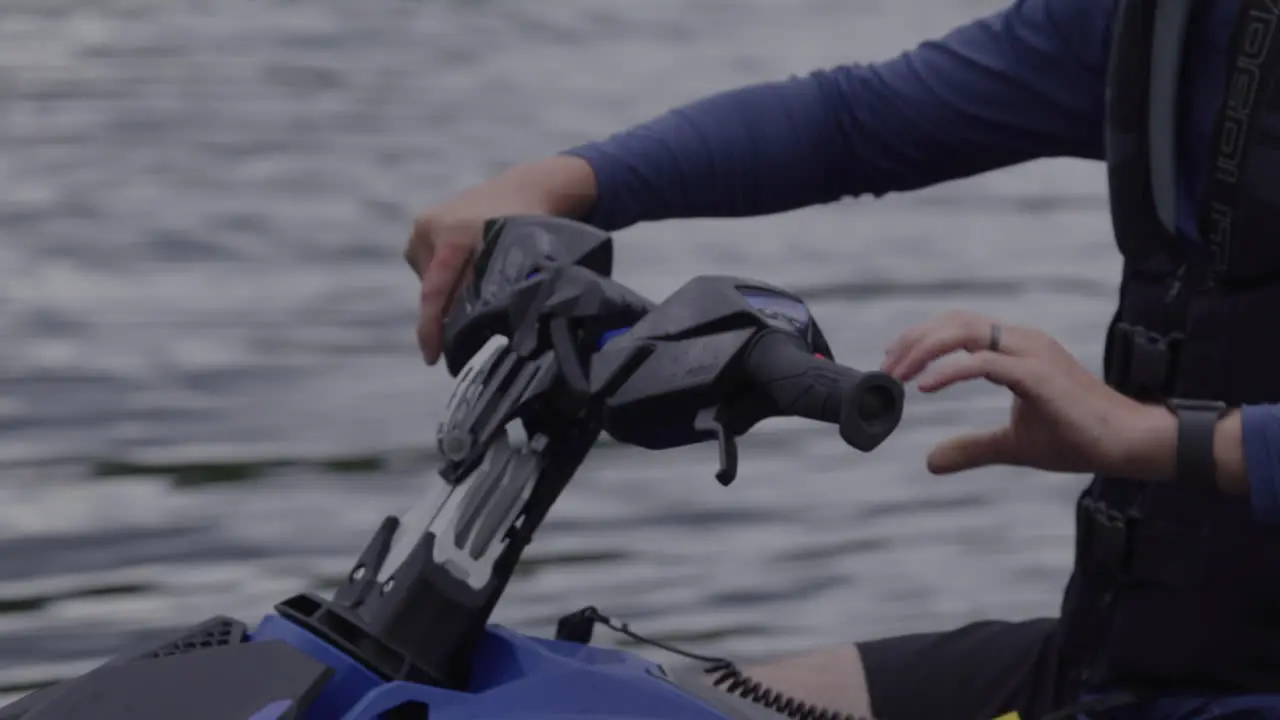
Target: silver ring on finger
993 342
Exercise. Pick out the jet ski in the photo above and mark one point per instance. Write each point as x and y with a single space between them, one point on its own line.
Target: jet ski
549 352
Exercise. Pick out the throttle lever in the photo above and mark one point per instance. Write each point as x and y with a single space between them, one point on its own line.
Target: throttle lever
710 421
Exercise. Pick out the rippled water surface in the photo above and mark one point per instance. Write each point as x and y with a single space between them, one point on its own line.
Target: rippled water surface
209 390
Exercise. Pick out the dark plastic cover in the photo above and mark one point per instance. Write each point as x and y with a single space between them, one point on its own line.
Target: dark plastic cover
265 681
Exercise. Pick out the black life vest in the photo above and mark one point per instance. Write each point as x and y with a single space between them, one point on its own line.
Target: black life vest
1178 589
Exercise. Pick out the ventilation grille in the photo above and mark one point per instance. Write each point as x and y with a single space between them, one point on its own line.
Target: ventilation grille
213 633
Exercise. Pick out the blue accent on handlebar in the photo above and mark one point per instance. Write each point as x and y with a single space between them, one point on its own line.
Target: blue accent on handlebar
611 334
274 711
607 335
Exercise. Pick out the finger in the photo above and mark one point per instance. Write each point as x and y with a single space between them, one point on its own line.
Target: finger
1009 371
974 333
971 334
439 283
419 249
966 452
894 350
411 257
906 343
902 344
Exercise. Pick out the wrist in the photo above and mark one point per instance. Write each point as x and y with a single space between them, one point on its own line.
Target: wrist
1149 445
1151 448
562 185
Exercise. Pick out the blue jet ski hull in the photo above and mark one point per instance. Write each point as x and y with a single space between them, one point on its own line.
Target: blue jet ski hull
515 676
221 670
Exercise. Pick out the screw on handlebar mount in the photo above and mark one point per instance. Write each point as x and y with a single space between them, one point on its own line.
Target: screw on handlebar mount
545 344
421 592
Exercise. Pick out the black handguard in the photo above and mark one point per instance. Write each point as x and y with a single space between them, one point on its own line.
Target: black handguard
720 355
515 251
799 382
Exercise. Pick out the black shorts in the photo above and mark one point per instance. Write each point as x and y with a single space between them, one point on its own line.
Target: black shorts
978 672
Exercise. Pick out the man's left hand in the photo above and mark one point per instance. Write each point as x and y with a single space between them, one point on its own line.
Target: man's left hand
1063 419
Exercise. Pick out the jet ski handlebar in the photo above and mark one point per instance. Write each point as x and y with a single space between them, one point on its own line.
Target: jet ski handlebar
866 406
542 340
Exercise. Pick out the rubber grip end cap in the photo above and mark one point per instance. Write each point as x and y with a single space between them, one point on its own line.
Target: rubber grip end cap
871 410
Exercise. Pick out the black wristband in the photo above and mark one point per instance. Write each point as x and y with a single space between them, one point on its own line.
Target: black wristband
1197 420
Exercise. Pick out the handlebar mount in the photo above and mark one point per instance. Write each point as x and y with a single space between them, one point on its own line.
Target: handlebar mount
549 352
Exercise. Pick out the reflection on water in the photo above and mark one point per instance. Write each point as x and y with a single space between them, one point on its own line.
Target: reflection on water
209 393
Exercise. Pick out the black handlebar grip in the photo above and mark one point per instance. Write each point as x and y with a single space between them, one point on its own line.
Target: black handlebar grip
866 406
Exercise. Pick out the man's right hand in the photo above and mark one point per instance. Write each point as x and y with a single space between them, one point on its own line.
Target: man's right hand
445 237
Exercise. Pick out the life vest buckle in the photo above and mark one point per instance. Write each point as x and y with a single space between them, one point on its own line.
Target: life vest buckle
1105 534
1142 363
1128 546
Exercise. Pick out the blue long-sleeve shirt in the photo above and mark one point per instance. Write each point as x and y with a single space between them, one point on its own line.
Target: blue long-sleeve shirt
1024 83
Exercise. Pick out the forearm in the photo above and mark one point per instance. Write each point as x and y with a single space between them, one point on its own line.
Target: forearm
558 185
1020 84
1229 458
757 150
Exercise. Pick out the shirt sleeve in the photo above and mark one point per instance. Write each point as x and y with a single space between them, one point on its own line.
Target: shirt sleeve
1260 426
1024 83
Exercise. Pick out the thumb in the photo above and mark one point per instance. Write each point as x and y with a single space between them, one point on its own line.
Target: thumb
966 452
440 281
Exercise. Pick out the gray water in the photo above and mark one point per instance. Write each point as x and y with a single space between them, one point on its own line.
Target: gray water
209 389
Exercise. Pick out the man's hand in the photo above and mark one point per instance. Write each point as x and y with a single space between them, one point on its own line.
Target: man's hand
1064 419
445 237
440 252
